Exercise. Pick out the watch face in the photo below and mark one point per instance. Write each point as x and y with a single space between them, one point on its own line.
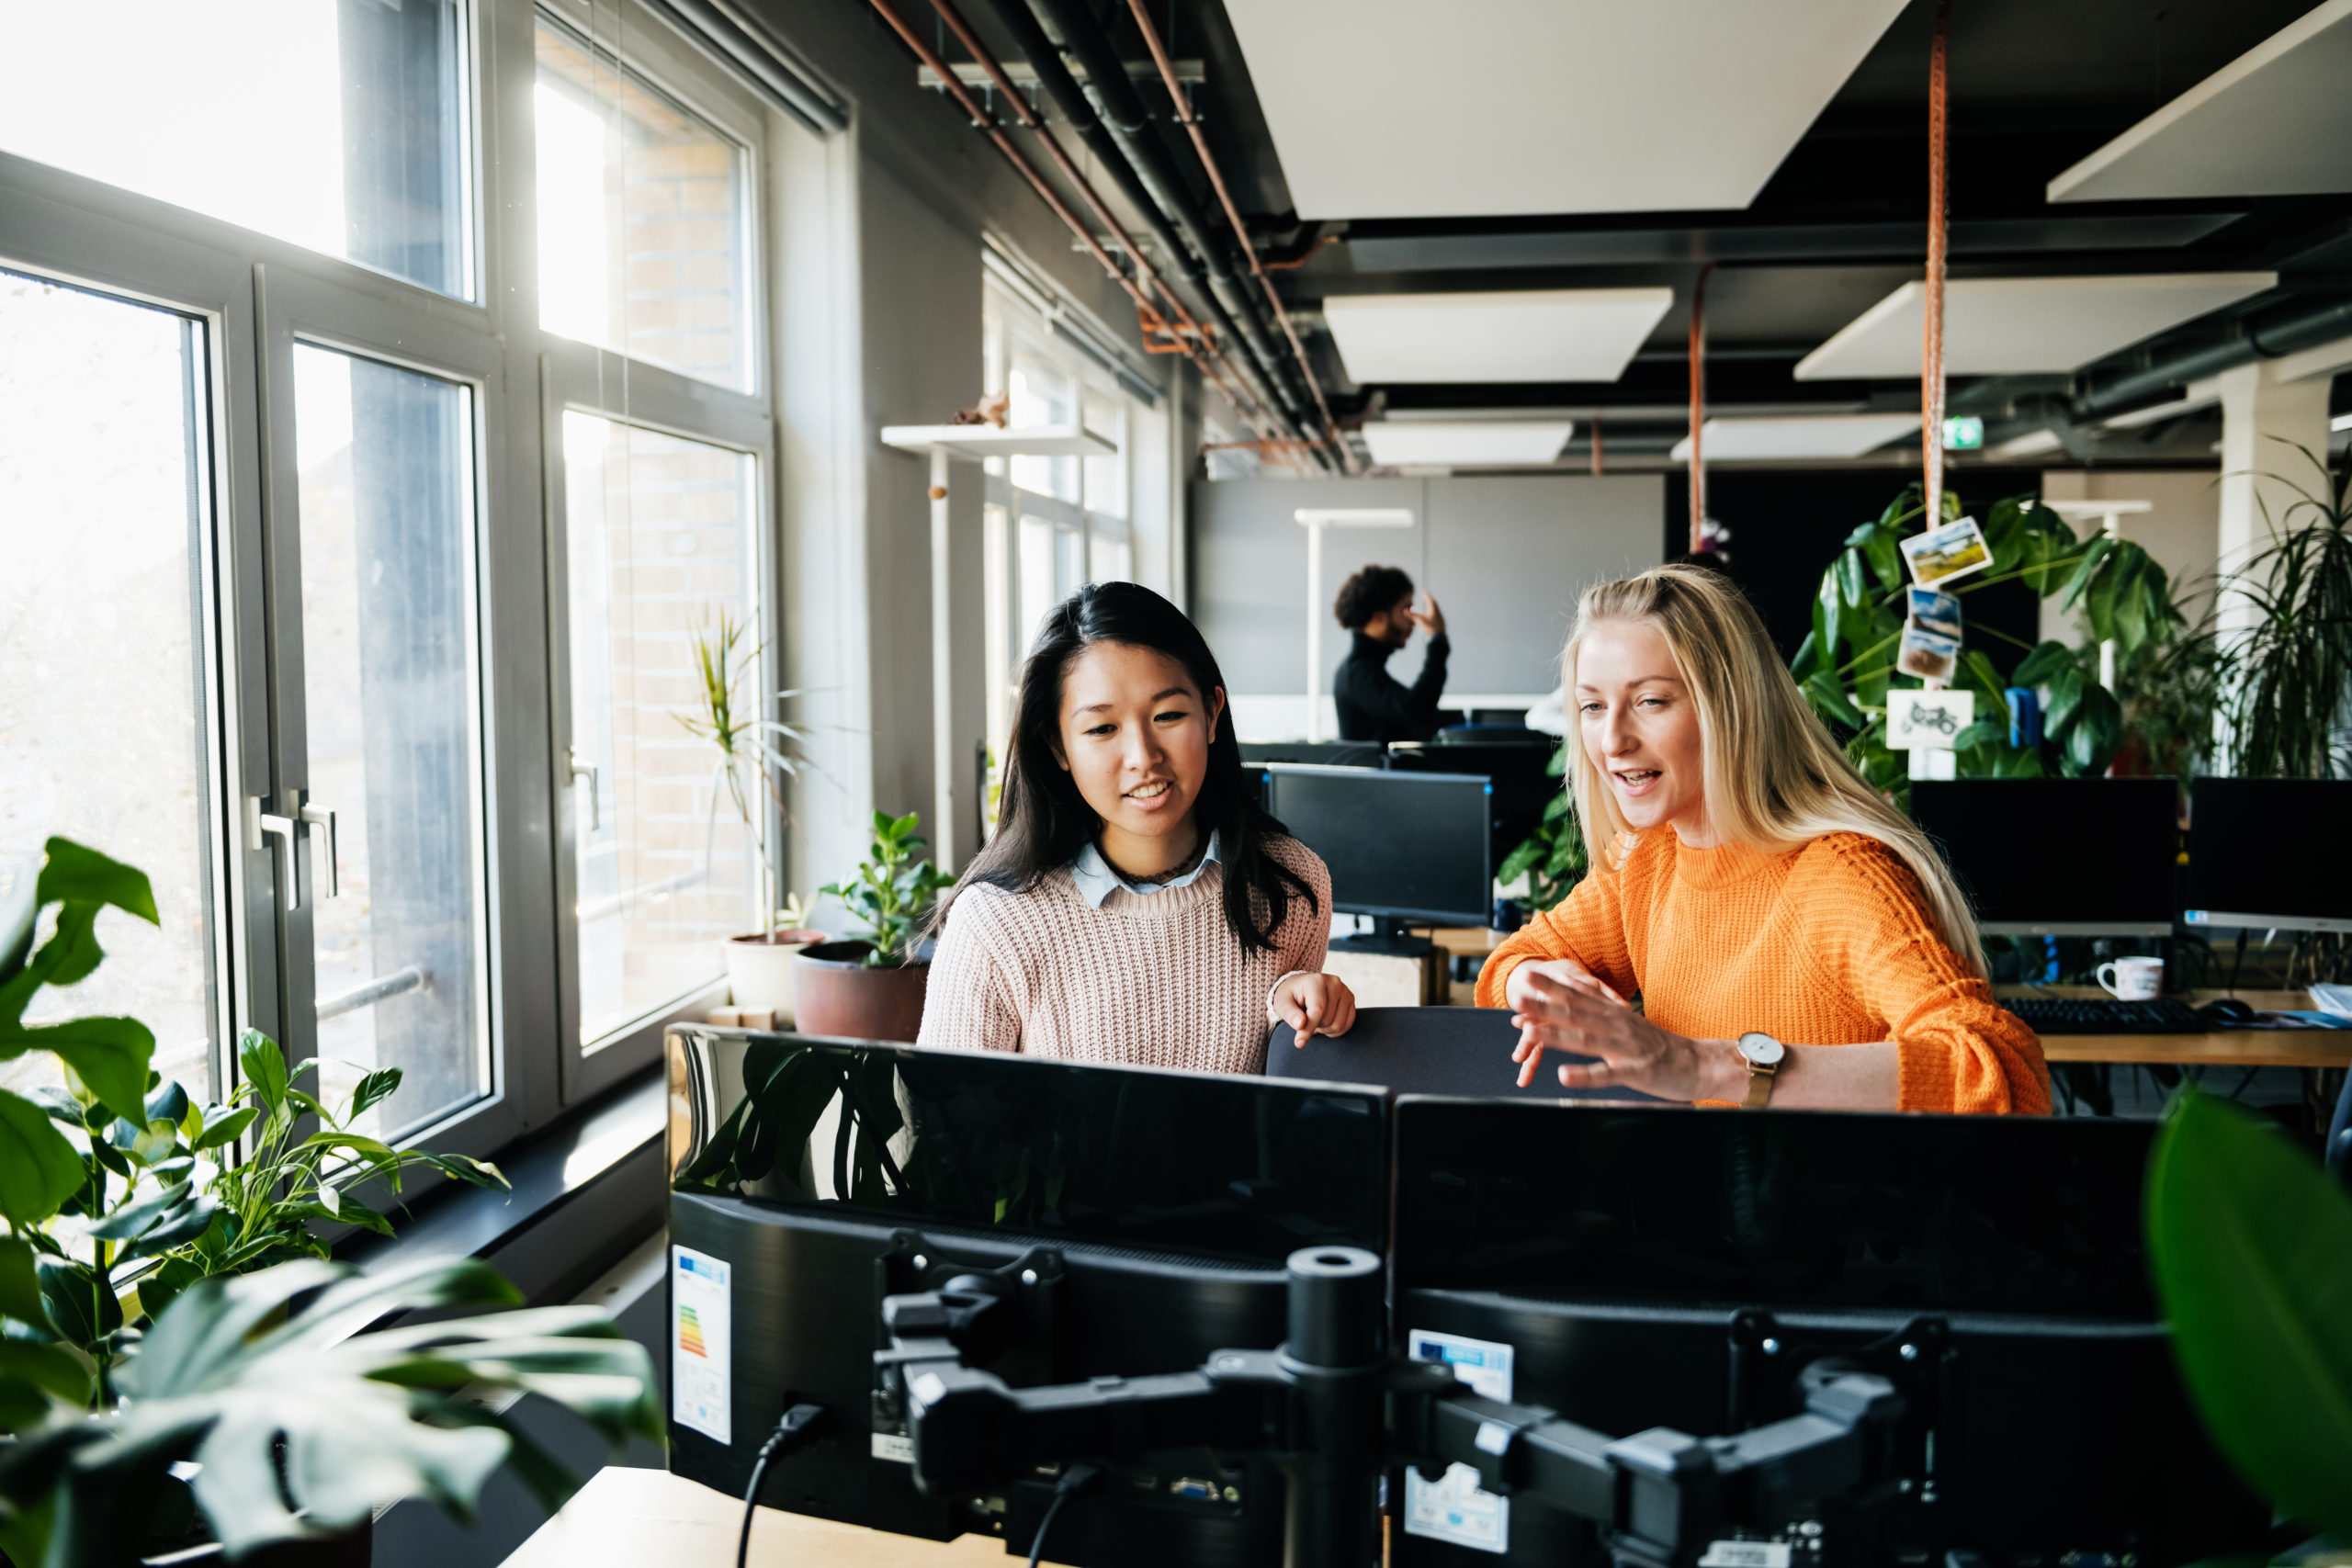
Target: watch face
1762 1049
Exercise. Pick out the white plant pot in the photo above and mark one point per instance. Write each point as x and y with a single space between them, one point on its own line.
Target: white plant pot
759 970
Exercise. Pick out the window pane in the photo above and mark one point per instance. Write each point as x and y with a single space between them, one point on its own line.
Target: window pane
105 722
1106 478
388 670
1109 560
658 535
1038 595
341 127
641 221
1041 394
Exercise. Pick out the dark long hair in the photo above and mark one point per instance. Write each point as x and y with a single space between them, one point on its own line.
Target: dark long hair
1043 821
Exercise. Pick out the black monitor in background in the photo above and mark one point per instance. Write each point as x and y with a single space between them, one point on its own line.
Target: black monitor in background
2058 857
1638 1267
1405 847
1523 783
811 1179
1327 753
2270 854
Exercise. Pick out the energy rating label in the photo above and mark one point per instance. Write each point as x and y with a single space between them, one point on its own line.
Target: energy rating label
699 1346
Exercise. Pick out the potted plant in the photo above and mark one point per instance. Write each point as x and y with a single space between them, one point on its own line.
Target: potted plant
752 764
149 1374
872 986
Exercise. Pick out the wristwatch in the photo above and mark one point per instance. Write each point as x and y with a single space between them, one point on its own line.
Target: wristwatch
1764 1056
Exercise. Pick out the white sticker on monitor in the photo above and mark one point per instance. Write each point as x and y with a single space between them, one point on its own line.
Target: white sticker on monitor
896 1447
1746 1554
1456 1510
1483 1364
700 1344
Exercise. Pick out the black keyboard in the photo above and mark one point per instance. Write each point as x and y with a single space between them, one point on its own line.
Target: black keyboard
2060 1015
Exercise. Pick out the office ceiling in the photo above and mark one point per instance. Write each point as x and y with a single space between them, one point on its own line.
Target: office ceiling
1624 156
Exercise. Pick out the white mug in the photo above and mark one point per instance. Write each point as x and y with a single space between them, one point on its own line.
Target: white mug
2133 979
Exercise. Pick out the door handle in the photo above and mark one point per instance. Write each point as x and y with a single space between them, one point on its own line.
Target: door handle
260 827
596 804
318 817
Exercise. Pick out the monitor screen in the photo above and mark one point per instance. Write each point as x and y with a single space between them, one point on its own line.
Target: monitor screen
2061 857
2271 854
1411 846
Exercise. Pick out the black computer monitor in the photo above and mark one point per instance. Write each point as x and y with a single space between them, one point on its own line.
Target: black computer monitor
811 1179
2058 857
1327 753
1404 847
2270 854
1524 784
1638 1267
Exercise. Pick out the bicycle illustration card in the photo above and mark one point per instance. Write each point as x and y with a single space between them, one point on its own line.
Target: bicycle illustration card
1916 718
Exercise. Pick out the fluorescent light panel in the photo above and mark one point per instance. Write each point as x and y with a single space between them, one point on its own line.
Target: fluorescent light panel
2275 121
1544 335
1466 444
1817 435
2009 326
1396 109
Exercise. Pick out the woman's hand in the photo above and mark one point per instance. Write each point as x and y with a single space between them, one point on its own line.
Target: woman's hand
1576 1012
1315 1004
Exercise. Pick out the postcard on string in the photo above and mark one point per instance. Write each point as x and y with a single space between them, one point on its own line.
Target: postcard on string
1946 554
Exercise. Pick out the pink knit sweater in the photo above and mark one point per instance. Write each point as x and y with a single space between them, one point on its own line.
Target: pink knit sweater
1153 980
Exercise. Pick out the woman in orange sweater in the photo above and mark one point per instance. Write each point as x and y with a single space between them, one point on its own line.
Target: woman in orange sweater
1792 937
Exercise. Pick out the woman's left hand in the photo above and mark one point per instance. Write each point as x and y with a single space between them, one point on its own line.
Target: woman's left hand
1634 1052
1315 1004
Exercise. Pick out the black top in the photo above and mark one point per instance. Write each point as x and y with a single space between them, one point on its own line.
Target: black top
1374 706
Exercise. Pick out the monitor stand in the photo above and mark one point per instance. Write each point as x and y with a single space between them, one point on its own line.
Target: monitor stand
1389 936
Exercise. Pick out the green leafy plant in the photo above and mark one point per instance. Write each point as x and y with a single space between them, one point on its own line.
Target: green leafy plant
1846 665
302 1424
1552 858
752 756
2290 671
892 891
2251 1248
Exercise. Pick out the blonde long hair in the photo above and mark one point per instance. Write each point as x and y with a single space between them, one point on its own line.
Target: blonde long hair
1774 778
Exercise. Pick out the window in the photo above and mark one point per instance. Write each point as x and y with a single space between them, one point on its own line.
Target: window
1041 392
106 714
661 549
642 207
391 702
337 126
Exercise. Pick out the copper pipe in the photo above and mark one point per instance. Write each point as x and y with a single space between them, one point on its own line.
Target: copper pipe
1599 463
1303 257
1232 216
1699 407
1931 347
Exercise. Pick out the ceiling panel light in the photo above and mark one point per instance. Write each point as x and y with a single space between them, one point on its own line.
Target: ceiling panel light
2275 121
1542 106
1465 445
1544 335
1811 436
2016 326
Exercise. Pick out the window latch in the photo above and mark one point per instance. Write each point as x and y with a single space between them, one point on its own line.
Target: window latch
319 817
260 827
596 806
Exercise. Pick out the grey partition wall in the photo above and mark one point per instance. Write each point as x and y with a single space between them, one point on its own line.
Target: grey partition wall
1506 555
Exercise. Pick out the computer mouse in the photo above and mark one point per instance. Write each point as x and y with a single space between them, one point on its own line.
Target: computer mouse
2226 1011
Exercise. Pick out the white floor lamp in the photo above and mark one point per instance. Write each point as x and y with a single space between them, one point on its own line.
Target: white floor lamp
1314 519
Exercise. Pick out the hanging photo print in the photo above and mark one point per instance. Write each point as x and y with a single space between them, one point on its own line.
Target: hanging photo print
1916 718
1934 612
1942 555
1927 655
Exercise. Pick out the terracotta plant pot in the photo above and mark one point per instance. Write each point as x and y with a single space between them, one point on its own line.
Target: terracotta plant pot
760 970
837 994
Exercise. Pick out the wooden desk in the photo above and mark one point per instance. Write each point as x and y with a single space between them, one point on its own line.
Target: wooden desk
627 1519
2222 1048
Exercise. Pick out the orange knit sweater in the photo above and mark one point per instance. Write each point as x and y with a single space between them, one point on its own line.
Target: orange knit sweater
1830 945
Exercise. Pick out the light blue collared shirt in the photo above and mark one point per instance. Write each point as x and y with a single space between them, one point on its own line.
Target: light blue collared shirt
1096 881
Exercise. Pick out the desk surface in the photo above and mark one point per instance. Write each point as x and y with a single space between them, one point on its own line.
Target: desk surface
630 1517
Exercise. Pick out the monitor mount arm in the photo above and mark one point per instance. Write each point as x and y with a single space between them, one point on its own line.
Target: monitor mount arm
1333 1411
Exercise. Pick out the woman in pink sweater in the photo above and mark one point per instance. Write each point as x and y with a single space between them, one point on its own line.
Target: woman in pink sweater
1136 905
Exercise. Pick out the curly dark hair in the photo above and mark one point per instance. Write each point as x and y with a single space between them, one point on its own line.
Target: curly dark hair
1368 593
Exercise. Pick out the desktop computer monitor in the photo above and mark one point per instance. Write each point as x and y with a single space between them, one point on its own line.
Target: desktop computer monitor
1404 847
2058 857
2270 854
1136 1220
1638 1268
1325 753
1524 786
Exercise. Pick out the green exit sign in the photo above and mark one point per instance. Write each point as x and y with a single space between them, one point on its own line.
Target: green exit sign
1963 435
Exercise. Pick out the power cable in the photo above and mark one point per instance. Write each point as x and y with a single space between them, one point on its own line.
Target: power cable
800 1425
1076 1479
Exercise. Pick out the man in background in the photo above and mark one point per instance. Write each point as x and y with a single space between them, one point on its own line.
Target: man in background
1376 605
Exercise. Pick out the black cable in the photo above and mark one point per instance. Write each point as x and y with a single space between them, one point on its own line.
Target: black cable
1076 1479
799 1426
2239 962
